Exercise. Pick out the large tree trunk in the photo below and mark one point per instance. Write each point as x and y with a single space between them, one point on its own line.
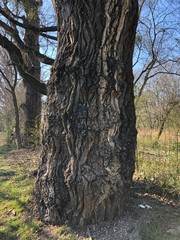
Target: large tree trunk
89 135
32 98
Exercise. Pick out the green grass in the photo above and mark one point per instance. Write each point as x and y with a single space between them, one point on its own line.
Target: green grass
156 229
16 193
158 164
15 197
65 233
5 149
16 189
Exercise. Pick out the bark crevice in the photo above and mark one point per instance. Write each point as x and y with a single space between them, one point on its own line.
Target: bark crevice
89 134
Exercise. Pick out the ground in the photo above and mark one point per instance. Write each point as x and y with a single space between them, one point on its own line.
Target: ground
150 214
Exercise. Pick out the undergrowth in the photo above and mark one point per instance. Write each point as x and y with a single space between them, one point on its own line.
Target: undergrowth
158 164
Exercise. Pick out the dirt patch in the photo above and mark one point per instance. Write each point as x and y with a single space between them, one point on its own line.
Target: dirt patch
148 217
159 222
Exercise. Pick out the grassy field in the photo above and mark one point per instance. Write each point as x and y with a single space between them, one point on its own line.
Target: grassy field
157 175
16 193
159 164
158 171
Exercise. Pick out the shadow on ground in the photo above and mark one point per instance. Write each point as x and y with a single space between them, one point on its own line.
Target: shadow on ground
5 149
151 188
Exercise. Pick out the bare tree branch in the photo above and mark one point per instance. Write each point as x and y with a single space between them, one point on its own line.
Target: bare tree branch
17 59
26 25
155 29
7 80
14 33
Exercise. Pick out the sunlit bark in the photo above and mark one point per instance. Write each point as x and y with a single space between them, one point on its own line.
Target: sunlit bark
89 135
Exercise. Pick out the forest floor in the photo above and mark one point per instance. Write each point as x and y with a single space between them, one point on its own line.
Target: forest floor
150 213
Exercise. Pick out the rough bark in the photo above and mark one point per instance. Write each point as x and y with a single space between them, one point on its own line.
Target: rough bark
89 135
32 98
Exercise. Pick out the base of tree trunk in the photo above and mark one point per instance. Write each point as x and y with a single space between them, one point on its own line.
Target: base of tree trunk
103 202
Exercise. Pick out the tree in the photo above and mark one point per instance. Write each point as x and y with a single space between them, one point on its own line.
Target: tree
8 83
158 103
11 89
11 38
6 112
168 99
32 97
89 135
20 22
157 41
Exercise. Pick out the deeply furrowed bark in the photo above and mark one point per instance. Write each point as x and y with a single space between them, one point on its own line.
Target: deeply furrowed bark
89 135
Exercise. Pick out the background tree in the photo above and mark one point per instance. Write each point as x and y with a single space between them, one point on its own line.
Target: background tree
167 95
89 135
11 88
6 113
32 98
8 84
22 18
157 41
159 103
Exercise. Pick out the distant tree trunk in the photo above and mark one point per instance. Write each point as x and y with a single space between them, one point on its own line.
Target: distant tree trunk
170 107
32 98
11 88
17 125
89 135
